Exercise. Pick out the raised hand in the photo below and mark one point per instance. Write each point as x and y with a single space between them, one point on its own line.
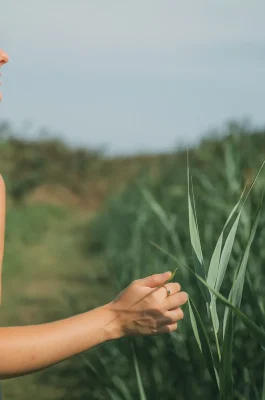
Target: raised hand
146 308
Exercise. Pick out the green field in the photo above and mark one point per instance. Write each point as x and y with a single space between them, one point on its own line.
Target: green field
62 259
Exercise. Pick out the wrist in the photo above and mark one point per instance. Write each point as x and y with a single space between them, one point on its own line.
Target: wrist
112 325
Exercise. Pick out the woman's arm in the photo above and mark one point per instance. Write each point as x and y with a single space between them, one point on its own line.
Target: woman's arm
143 308
25 349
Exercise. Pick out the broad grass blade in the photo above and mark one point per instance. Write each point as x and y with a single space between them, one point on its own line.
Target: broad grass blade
214 267
138 375
214 264
227 310
212 277
226 253
203 342
225 374
237 288
214 315
195 243
194 326
257 333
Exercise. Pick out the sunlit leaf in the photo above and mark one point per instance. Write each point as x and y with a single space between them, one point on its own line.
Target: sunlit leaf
195 241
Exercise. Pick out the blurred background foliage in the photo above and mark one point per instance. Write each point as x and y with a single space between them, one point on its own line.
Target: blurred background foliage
89 214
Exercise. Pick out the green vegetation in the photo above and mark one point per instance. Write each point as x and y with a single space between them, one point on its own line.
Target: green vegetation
156 211
146 203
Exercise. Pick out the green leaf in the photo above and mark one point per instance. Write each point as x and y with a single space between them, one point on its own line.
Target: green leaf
194 233
194 326
138 375
214 267
214 264
226 253
203 342
237 288
225 374
256 332
227 309
218 273
195 242
214 315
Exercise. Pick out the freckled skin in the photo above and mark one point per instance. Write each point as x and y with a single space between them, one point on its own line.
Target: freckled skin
143 308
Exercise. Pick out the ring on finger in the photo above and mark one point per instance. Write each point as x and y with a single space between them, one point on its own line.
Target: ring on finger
168 291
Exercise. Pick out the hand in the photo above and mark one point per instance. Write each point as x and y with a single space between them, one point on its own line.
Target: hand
144 308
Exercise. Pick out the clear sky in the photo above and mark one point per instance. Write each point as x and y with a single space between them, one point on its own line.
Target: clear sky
141 75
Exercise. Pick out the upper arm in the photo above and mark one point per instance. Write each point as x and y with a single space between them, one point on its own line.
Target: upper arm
2 216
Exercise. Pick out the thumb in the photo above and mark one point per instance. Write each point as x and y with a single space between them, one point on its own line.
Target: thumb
154 280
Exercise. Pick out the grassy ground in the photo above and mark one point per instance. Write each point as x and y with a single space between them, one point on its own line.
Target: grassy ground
44 265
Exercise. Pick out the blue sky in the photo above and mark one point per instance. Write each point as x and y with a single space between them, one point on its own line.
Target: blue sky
142 75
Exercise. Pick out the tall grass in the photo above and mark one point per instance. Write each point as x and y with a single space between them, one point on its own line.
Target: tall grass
220 368
213 354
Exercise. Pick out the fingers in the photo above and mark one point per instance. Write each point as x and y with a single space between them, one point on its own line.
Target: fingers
167 328
173 316
154 280
175 300
172 287
170 317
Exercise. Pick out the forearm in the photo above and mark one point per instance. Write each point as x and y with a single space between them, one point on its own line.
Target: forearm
27 349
